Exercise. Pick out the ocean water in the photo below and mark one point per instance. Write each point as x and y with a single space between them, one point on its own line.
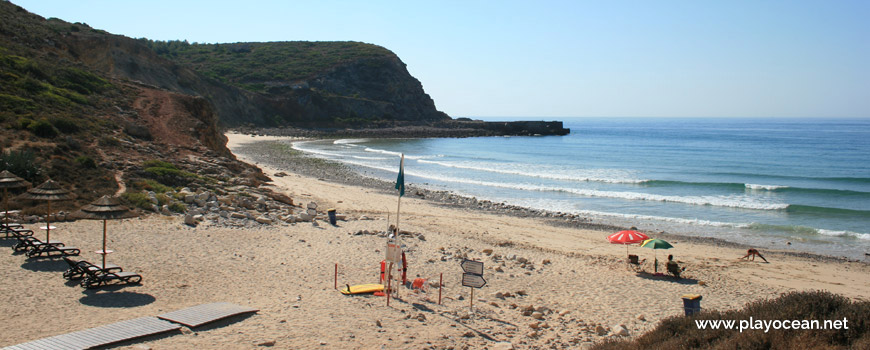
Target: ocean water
764 182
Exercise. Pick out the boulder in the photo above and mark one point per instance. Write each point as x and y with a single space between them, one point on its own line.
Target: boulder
620 330
189 220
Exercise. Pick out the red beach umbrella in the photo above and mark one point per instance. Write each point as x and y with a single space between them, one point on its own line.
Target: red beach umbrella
627 237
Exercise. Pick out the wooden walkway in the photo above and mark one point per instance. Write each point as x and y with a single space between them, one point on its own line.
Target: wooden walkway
99 336
201 314
131 329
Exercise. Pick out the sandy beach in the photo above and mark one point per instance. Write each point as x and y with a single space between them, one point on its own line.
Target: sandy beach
573 276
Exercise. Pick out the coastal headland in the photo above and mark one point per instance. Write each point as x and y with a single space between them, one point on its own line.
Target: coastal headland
461 127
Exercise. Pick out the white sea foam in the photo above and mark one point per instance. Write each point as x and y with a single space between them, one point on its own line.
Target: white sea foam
850 234
369 158
298 145
399 154
693 222
540 171
764 187
349 141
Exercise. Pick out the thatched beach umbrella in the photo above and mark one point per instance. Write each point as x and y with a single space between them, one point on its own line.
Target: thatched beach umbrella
49 191
9 180
105 208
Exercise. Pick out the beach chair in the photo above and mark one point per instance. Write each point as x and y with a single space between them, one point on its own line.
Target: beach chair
26 243
635 263
4 228
95 279
14 230
52 250
78 269
675 269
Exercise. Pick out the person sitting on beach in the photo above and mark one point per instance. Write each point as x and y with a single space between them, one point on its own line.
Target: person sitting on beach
673 267
752 252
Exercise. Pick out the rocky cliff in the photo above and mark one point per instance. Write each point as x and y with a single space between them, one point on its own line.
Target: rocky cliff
83 107
306 84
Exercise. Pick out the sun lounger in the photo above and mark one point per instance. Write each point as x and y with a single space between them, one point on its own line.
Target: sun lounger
78 269
10 226
26 243
52 249
15 230
95 279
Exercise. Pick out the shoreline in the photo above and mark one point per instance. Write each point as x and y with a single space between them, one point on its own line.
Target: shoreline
322 169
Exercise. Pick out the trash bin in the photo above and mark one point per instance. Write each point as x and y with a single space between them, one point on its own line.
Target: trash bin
331 213
692 303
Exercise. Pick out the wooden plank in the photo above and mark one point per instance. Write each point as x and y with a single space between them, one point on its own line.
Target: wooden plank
84 339
201 314
72 343
100 336
66 343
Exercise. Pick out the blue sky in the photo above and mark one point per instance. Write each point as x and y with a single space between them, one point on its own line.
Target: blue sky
558 58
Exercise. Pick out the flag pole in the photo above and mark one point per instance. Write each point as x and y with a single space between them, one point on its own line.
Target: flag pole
400 185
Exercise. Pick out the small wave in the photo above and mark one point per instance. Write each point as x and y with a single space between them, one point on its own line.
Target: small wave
550 174
848 234
693 222
369 158
316 152
826 211
808 231
765 187
349 141
399 154
720 201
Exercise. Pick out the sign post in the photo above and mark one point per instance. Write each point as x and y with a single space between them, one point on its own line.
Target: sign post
472 277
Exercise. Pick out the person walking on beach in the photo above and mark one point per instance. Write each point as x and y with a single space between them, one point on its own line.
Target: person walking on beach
752 252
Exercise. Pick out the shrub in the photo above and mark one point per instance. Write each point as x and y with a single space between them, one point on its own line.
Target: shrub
42 128
86 162
137 199
108 141
178 207
681 332
65 125
162 199
154 163
23 123
151 185
167 174
21 163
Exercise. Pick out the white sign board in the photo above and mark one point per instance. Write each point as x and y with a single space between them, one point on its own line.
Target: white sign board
471 266
394 253
472 280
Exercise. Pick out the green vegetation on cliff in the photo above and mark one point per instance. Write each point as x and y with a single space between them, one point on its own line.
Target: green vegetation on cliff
254 66
30 85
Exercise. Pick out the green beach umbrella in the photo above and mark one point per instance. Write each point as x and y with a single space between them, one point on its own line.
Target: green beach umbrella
656 244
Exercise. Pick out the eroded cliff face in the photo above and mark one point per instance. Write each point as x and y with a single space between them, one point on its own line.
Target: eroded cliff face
366 92
179 120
